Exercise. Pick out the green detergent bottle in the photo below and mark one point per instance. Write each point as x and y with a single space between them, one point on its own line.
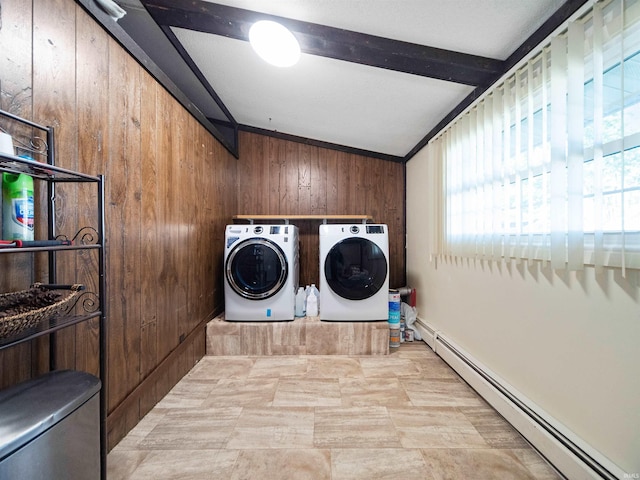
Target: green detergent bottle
17 207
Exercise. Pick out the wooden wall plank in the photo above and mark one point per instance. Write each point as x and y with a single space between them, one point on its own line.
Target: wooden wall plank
228 178
167 325
192 213
332 174
274 158
319 178
123 223
356 192
181 213
328 182
16 97
54 104
201 198
149 237
92 67
299 172
15 61
294 197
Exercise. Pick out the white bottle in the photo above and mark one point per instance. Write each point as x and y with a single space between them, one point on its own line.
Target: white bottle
306 294
312 305
300 301
315 290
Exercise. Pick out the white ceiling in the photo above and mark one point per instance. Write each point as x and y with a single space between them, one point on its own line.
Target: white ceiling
323 99
490 28
354 105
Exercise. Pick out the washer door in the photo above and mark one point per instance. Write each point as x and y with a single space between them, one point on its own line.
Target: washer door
355 268
257 269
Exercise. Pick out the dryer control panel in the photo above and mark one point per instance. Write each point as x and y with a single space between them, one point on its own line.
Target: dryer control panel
375 228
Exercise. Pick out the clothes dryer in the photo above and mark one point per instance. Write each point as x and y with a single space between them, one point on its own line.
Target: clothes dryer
354 272
261 265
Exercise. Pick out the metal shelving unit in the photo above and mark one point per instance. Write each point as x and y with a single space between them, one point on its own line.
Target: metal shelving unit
90 304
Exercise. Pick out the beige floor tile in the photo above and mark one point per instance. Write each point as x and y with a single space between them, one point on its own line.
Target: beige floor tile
495 430
322 338
378 464
215 368
219 344
273 428
415 349
440 392
279 366
537 465
300 464
434 368
193 429
307 392
334 367
289 334
122 462
143 428
435 428
358 392
389 367
456 463
186 464
256 341
251 392
187 393
380 342
354 427
362 341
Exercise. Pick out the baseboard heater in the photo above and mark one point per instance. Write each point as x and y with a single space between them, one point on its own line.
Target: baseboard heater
553 442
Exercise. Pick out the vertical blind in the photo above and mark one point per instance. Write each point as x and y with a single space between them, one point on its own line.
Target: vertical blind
546 166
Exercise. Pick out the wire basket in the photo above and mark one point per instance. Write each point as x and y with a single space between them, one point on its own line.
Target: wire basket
25 309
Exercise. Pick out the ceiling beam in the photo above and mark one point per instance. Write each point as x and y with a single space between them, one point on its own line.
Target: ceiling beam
124 39
332 42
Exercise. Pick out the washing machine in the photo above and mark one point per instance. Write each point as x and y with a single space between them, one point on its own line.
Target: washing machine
354 272
261 265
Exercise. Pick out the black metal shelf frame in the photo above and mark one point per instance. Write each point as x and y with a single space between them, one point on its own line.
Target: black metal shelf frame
52 174
45 328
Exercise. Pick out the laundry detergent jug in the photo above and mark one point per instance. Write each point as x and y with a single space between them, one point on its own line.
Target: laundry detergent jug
17 207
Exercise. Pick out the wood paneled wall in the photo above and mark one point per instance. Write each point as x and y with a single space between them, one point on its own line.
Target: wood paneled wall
278 176
169 193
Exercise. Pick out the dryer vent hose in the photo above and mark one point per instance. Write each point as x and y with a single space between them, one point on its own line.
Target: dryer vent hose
404 291
409 293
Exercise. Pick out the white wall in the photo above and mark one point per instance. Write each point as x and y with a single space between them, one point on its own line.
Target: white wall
569 343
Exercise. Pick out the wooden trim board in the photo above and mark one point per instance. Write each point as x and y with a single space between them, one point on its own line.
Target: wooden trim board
286 218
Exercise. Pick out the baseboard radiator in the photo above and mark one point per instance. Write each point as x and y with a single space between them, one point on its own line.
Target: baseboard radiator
568 454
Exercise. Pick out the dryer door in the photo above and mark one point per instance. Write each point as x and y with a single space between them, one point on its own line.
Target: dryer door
355 268
256 268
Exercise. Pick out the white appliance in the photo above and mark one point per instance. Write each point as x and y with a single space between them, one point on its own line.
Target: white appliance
261 265
354 272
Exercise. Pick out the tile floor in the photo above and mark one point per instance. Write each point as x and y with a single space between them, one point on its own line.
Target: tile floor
402 416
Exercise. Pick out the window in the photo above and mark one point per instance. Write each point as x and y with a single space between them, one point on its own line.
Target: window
546 165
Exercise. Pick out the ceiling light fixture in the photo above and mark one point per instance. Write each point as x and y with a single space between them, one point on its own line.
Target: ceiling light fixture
274 43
